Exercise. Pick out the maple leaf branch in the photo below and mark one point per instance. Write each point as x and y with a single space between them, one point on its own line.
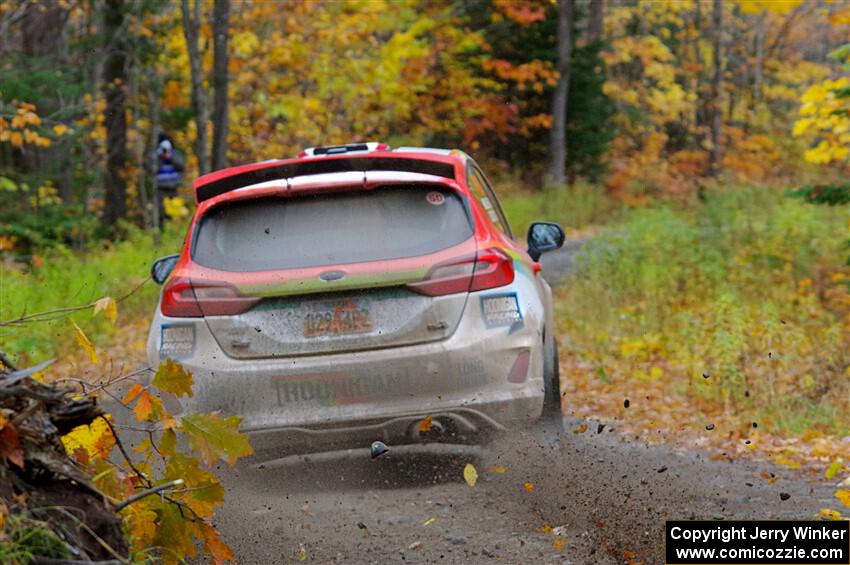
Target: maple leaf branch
125 454
153 444
103 386
148 492
58 313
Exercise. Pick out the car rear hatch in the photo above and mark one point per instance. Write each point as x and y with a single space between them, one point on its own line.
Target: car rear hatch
333 272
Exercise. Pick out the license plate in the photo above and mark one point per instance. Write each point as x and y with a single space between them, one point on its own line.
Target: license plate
337 317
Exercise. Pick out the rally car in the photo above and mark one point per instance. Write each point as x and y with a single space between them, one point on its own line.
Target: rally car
359 293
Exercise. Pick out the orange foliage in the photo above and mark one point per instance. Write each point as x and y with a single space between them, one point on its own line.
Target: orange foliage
523 12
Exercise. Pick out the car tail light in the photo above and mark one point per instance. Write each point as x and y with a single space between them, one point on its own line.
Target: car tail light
185 298
489 269
493 268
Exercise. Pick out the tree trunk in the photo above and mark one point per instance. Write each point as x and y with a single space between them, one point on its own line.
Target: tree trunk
717 90
42 28
154 93
191 31
115 120
558 134
758 76
221 15
44 42
595 26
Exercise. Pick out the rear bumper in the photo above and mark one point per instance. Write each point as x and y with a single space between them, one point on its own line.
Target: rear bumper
341 400
458 426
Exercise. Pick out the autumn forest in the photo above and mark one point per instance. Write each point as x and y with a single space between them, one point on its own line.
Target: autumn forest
697 153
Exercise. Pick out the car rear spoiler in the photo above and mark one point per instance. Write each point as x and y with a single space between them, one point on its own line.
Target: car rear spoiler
212 185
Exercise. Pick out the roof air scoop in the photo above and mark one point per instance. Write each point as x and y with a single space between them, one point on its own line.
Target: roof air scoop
328 150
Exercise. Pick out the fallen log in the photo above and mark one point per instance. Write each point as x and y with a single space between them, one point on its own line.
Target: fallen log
42 488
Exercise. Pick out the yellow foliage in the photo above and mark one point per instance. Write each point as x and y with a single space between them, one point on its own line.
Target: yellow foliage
776 6
245 43
95 439
826 116
175 207
85 344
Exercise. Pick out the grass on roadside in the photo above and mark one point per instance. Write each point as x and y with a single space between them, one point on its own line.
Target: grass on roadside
738 307
575 207
61 278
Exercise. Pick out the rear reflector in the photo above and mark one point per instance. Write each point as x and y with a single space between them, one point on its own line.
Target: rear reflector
519 371
491 268
184 298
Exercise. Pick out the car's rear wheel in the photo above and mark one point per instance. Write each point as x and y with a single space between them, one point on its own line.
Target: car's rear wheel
552 414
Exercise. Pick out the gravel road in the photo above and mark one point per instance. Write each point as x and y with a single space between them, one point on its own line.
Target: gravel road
541 497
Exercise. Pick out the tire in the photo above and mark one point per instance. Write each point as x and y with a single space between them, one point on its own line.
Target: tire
552 414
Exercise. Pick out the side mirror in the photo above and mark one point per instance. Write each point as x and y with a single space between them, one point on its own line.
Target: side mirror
162 267
543 237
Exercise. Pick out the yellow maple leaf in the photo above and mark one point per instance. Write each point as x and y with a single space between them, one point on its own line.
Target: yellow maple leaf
203 490
528 486
215 437
132 393
470 475
147 407
830 514
142 525
785 461
84 342
843 495
214 546
172 377
95 438
833 469
109 307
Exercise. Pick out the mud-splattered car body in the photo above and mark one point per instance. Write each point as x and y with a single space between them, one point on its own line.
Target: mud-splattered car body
353 293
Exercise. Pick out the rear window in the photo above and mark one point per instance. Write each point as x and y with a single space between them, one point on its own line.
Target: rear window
331 229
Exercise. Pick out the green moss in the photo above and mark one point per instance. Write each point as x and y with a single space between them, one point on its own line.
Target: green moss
24 539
